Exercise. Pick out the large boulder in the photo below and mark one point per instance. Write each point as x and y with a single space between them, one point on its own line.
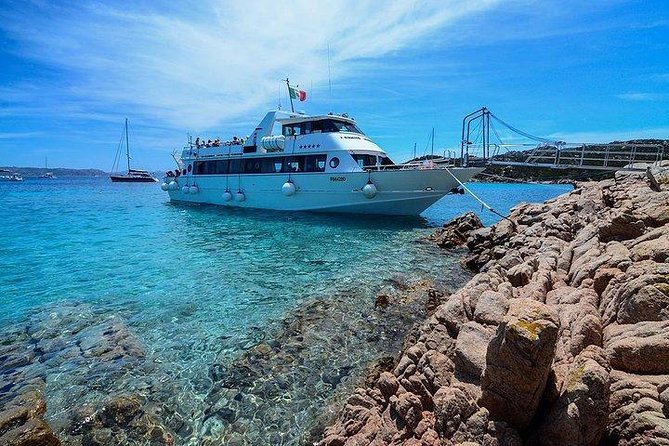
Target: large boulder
636 411
456 232
518 362
639 294
638 348
470 350
452 408
491 307
580 414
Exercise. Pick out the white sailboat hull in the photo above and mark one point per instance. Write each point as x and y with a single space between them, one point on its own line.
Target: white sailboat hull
398 192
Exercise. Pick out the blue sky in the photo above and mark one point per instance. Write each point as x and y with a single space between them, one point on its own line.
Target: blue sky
70 72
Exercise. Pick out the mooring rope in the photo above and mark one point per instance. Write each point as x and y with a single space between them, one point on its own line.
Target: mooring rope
483 203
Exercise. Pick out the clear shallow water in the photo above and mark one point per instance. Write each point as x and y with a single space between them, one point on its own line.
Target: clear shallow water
87 239
195 284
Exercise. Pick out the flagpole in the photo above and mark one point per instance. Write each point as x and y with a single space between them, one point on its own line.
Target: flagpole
290 96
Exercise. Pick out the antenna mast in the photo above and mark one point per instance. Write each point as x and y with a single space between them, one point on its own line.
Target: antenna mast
329 78
292 108
127 146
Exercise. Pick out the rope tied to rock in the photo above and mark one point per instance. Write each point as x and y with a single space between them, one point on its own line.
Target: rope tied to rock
483 203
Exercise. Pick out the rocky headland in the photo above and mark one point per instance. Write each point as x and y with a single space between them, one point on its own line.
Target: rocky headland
561 338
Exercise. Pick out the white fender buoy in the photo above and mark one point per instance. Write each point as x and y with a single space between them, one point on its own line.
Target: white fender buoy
185 189
227 195
288 188
194 189
369 190
239 196
173 185
165 186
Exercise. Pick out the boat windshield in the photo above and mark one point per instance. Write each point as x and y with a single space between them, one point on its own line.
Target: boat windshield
320 126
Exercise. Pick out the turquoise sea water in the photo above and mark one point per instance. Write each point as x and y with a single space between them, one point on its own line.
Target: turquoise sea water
88 239
193 283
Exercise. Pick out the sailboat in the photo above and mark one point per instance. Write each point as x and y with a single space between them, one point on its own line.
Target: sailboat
133 175
49 175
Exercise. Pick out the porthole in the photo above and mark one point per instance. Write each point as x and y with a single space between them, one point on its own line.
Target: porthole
190 167
334 162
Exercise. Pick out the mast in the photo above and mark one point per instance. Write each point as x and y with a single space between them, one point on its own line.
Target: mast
330 78
432 141
127 146
290 96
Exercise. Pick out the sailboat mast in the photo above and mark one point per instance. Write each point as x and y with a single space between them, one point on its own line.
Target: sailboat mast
432 141
127 146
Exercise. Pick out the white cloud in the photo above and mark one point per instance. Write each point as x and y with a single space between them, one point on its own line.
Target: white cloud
224 60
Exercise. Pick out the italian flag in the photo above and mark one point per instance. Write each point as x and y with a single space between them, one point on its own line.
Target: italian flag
297 94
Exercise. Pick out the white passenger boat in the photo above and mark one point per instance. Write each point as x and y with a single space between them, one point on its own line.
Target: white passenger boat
313 163
8 175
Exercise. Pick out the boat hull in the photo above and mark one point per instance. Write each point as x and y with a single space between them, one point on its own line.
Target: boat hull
127 179
398 192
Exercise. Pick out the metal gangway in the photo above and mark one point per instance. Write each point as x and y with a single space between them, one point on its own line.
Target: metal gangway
477 149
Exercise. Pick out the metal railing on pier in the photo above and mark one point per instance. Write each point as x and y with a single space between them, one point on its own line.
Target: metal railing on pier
477 149
587 156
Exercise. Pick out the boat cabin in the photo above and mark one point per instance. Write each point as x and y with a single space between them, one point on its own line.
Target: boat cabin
290 143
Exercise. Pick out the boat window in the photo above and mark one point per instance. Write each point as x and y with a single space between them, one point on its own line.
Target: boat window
190 167
236 166
333 125
293 164
334 162
364 160
385 161
252 165
292 129
300 163
320 126
222 166
271 165
315 163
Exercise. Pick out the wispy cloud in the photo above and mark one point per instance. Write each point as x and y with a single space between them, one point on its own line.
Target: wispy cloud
200 68
642 97
17 135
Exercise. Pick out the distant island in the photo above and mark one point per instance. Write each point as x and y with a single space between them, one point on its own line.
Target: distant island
36 172
28 172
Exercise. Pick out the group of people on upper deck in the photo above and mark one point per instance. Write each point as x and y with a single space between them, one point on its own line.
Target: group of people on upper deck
217 142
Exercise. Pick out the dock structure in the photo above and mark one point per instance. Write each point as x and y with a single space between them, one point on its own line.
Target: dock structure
477 148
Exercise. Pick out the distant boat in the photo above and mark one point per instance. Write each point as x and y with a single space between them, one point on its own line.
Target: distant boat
49 175
132 175
8 175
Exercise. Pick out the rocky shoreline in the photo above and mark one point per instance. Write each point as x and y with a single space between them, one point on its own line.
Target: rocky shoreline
562 338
